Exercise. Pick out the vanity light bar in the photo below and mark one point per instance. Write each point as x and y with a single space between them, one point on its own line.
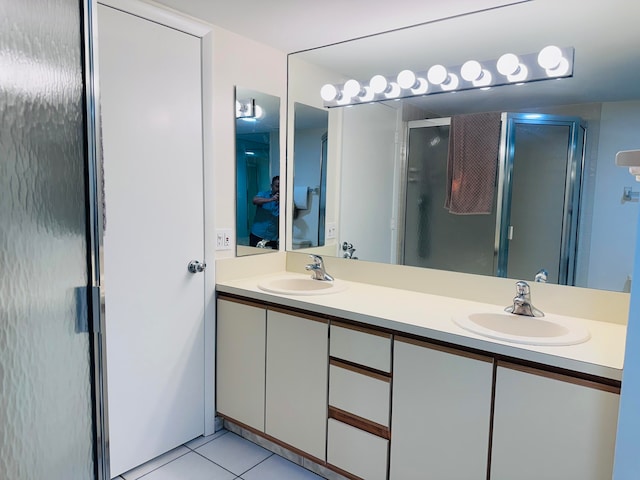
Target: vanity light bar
550 63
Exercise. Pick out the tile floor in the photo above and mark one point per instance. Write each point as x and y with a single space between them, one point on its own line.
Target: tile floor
221 456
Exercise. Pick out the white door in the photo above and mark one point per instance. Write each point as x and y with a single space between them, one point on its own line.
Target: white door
150 81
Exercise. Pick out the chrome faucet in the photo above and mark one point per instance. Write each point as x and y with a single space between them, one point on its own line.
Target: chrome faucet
522 302
317 269
541 276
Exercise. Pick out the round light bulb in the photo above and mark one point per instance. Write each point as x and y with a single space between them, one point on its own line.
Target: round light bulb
437 74
368 95
484 80
329 92
378 84
452 83
422 88
352 88
407 79
258 112
238 109
394 90
550 57
521 74
508 64
560 70
471 70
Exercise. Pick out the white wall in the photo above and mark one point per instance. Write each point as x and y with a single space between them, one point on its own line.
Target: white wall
238 61
611 256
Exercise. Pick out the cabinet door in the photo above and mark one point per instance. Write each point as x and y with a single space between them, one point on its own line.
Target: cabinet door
296 396
551 428
241 343
440 413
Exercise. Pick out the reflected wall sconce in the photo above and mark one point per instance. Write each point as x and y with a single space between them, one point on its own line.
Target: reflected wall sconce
248 110
551 62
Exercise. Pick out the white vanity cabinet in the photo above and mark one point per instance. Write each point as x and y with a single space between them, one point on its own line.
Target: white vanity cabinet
552 426
441 412
359 401
240 357
296 380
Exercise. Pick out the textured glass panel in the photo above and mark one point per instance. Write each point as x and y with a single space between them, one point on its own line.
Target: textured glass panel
45 395
435 238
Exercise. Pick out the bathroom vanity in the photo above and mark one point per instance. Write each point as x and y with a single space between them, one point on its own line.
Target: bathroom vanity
375 383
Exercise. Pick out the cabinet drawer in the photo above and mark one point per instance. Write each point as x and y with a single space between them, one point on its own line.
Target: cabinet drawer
362 346
363 395
357 452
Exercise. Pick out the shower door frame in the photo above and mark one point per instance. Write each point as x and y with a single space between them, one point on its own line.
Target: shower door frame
572 193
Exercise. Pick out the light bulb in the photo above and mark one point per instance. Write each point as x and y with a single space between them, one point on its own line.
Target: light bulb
238 109
258 112
508 64
394 90
352 88
329 92
422 87
378 84
368 95
560 70
471 70
484 80
407 79
521 74
452 83
437 74
550 57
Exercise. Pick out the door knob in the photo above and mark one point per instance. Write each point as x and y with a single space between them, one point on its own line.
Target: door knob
196 267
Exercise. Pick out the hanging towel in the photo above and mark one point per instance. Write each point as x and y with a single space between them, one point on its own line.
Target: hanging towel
473 162
300 197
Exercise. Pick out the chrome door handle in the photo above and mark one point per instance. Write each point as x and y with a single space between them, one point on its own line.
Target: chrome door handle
196 267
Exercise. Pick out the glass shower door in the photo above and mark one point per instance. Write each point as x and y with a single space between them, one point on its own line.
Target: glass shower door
541 197
432 237
46 407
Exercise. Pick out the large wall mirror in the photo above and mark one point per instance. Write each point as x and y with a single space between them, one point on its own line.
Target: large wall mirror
257 163
568 220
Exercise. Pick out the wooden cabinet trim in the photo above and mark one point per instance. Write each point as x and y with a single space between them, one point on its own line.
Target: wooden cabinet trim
359 423
583 382
294 313
358 328
441 348
360 369
241 301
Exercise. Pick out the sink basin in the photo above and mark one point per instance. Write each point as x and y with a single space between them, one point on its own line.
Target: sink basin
547 330
301 286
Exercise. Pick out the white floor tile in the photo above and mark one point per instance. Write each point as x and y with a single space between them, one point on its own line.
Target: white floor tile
234 453
198 442
157 462
277 468
190 467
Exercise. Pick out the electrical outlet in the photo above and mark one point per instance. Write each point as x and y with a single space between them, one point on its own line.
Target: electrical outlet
224 239
331 230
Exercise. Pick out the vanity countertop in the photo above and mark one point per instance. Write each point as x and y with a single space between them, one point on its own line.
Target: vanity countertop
430 316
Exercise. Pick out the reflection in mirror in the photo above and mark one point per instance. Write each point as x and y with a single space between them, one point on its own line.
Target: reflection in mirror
310 176
257 162
556 209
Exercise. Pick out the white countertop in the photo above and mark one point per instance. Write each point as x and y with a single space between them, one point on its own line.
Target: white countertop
430 316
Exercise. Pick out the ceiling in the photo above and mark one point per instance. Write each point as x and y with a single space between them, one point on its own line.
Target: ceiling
295 25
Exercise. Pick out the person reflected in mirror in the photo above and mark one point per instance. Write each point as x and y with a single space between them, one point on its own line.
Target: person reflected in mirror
264 231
